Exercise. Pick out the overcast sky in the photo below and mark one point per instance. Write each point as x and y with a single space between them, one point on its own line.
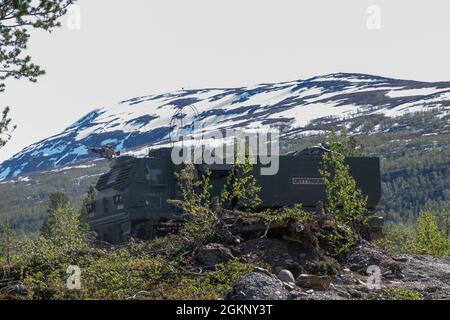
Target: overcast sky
139 47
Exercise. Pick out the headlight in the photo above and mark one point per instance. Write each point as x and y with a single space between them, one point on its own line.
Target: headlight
118 199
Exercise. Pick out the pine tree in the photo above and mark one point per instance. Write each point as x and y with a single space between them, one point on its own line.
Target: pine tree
196 203
241 189
66 232
5 127
17 19
343 198
429 239
57 201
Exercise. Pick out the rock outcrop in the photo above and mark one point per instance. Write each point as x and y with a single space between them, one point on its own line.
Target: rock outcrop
258 286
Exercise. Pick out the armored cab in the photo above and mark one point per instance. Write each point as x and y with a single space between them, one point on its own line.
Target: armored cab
131 194
134 193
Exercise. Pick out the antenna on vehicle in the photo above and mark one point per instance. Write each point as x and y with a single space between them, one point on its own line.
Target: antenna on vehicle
177 122
106 152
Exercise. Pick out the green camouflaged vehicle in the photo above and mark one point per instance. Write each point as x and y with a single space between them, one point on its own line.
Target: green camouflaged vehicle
134 193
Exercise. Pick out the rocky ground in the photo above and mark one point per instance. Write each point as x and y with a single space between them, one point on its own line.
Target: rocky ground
292 263
296 277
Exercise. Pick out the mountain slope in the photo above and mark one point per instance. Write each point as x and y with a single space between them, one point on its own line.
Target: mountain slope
289 106
414 150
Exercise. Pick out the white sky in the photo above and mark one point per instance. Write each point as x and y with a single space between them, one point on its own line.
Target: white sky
139 47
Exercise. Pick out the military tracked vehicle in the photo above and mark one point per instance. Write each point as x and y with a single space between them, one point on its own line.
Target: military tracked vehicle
134 193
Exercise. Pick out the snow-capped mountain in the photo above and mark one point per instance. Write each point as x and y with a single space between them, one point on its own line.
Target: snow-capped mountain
289 106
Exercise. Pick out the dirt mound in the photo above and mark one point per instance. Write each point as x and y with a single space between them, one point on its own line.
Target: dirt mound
279 254
366 254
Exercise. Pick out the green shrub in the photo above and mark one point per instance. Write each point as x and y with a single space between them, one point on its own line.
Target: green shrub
343 198
45 260
196 204
44 264
429 239
212 286
282 215
324 268
400 294
241 189
424 238
119 274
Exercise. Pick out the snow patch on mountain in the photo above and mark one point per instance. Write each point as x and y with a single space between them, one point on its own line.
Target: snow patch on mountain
136 124
411 92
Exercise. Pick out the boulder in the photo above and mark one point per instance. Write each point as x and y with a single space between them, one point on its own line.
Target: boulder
313 282
258 286
213 254
286 276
